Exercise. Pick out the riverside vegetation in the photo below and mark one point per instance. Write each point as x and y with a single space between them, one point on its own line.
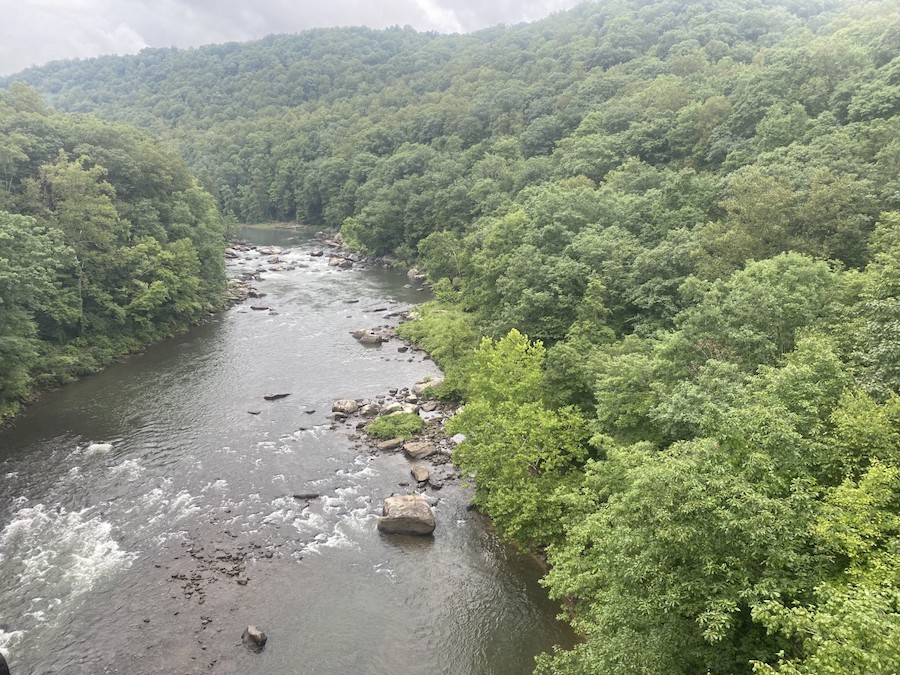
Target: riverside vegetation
665 244
106 244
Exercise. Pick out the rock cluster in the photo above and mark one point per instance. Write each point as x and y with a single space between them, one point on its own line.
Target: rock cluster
343 257
208 566
428 453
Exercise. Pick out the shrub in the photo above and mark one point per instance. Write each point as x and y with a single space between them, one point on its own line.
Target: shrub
398 425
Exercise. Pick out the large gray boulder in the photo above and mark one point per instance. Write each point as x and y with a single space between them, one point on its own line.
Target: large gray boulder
406 514
345 406
419 449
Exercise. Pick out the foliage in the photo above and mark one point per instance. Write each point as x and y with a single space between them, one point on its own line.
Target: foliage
518 451
106 243
664 242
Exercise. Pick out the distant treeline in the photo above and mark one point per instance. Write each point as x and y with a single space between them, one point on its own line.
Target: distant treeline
665 243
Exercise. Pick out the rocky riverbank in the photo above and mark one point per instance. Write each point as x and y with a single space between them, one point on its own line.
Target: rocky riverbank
429 451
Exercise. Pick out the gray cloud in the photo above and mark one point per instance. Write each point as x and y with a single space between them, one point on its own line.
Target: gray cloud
36 31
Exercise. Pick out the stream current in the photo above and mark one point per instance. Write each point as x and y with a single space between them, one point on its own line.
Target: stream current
146 517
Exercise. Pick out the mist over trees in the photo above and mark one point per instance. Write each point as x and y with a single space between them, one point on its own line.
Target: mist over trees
664 240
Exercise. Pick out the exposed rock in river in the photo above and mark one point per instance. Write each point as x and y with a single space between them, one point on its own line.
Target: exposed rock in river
368 337
419 449
391 444
254 638
406 514
345 406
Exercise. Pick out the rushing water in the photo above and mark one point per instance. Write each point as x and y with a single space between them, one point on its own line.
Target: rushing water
146 518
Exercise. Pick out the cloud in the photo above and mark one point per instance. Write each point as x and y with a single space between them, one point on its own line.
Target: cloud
36 31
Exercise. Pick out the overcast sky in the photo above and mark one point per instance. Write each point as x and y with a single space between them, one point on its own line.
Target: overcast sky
33 32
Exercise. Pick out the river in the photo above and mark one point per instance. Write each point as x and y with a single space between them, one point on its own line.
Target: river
146 517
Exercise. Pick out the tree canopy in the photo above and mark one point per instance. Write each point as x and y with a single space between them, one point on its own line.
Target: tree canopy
106 243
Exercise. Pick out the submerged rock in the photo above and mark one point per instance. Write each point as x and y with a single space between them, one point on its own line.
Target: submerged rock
406 514
275 396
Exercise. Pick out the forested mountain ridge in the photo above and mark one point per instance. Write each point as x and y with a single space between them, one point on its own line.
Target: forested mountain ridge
677 227
335 123
106 244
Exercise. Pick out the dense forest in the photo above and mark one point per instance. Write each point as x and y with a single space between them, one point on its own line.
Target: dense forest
664 239
106 243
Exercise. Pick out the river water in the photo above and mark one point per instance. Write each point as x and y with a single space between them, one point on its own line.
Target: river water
146 518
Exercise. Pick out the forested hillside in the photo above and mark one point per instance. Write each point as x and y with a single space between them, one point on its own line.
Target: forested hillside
665 243
106 243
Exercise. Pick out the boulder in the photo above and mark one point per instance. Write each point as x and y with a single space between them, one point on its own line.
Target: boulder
391 444
419 449
456 439
345 406
254 638
368 337
415 274
306 496
370 410
340 262
317 253
420 387
406 514
419 473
